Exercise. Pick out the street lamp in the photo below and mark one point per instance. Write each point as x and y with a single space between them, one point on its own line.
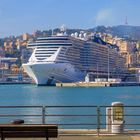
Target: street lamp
97 70
108 65
2 69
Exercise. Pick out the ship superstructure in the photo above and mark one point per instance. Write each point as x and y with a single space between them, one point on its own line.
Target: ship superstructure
64 58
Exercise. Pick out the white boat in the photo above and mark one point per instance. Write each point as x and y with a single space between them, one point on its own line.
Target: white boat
64 58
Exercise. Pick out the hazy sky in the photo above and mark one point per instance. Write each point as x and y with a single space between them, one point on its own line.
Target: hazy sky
21 16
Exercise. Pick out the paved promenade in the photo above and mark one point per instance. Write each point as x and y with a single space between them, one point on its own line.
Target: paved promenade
83 138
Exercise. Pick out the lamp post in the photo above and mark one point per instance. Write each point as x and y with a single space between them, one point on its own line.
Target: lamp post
97 71
2 69
108 65
97 67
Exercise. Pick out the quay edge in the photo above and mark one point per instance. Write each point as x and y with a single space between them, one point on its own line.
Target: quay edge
97 84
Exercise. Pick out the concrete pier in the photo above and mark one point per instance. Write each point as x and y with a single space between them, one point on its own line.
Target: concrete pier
97 84
83 84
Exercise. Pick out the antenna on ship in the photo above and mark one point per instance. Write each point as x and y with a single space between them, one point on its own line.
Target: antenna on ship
63 29
52 32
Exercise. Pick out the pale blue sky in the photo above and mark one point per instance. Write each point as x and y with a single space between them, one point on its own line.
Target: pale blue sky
21 16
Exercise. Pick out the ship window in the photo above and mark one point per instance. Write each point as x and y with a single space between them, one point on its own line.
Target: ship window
35 45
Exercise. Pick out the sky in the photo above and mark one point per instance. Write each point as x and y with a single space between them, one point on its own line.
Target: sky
26 16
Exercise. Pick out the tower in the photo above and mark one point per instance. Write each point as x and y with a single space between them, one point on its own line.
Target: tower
126 21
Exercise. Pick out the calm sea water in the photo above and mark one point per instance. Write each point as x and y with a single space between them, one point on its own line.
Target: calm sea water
26 95
34 95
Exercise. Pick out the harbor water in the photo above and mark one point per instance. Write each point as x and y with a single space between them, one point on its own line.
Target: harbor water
32 95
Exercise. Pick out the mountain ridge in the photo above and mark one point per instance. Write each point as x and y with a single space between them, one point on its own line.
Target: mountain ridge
124 31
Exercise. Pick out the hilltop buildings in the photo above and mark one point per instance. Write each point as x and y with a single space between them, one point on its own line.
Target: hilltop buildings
128 48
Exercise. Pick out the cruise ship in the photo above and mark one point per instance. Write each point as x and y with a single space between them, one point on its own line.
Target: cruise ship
63 58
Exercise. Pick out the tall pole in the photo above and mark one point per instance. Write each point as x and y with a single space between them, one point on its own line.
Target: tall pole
2 68
97 71
52 32
108 65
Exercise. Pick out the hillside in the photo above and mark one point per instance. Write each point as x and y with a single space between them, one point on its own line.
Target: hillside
132 32
125 31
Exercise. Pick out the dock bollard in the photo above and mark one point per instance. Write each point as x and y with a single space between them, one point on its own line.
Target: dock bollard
117 117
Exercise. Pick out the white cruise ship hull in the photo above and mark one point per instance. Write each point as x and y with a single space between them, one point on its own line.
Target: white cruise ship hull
46 73
62 58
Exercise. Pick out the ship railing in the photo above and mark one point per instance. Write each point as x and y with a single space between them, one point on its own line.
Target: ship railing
82 119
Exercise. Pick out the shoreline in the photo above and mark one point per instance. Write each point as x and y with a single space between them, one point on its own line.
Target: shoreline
12 83
97 84
78 84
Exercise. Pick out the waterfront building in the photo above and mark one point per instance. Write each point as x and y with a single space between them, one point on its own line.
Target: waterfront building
37 33
5 66
9 46
25 37
135 59
25 54
2 53
125 46
129 49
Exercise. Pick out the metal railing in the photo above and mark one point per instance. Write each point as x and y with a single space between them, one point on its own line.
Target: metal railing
72 117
